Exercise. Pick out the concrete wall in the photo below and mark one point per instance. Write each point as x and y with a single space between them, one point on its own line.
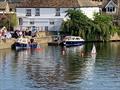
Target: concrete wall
6 43
116 37
44 40
41 39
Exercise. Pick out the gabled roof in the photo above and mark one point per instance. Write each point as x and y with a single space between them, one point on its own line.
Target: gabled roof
3 5
107 2
111 1
55 3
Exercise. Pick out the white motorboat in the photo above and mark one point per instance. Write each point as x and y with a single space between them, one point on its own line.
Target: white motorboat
24 43
72 41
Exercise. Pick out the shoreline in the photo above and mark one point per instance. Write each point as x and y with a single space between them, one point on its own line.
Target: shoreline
7 43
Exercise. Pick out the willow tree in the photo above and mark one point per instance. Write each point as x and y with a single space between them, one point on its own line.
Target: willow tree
105 26
78 24
71 26
101 28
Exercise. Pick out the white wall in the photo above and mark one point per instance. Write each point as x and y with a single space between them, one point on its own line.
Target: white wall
44 12
89 11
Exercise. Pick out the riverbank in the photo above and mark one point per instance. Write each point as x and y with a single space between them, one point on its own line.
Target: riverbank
6 43
43 39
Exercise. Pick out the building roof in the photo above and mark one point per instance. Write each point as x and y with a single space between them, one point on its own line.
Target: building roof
55 3
87 3
111 1
107 1
3 5
13 5
48 3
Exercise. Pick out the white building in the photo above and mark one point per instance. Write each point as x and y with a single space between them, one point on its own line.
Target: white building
47 15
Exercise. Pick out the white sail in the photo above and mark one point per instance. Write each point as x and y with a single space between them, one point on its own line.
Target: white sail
93 50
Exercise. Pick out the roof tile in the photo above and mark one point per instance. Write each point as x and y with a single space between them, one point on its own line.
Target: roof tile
49 3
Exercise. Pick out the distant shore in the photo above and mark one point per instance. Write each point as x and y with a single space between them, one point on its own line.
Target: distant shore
6 43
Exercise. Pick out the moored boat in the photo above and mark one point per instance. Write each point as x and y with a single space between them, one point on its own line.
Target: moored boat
72 41
93 49
24 43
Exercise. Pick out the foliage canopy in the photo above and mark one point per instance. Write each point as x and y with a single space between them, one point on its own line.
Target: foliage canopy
9 20
101 28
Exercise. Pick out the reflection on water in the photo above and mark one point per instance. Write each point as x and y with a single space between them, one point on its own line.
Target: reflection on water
61 68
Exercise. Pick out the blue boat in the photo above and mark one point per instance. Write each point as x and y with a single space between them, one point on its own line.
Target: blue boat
24 43
73 41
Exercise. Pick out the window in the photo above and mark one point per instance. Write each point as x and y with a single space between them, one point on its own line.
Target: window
46 28
20 21
28 12
34 28
57 11
111 9
37 12
51 22
31 22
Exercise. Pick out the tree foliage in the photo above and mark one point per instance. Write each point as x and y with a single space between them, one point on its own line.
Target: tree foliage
101 28
9 20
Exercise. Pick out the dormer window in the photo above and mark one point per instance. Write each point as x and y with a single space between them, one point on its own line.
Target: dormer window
111 7
57 11
37 12
28 12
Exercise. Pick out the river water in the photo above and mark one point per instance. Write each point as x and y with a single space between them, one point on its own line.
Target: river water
61 68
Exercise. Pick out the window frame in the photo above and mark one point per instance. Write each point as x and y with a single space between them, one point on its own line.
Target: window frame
37 11
57 12
28 12
111 9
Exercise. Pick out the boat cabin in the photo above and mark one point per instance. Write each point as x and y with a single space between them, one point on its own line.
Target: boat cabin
72 38
23 40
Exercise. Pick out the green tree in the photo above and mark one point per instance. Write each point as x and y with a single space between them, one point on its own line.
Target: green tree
101 28
9 20
13 20
105 26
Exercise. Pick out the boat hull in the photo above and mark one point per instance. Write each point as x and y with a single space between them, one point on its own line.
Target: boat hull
73 43
24 46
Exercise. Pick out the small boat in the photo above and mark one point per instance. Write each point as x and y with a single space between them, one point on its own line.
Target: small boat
24 43
72 41
93 49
